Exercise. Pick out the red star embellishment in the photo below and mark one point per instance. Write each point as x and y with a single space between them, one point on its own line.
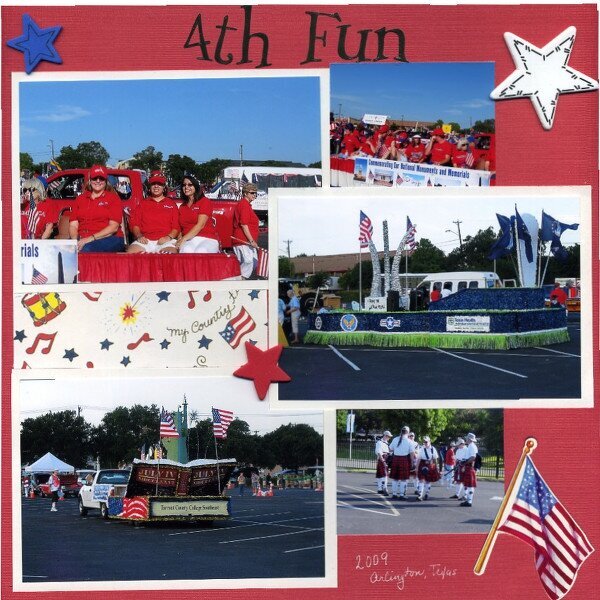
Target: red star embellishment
262 367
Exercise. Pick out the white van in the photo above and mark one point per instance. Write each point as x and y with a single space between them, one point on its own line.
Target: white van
459 280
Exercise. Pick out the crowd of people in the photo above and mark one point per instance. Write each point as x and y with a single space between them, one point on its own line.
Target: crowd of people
158 224
401 144
404 461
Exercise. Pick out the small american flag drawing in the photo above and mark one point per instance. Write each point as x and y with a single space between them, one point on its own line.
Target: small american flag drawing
237 328
262 265
221 421
167 426
539 519
37 277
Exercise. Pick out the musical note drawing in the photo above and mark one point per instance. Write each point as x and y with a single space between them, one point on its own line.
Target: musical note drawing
42 337
92 296
145 338
192 302
207 296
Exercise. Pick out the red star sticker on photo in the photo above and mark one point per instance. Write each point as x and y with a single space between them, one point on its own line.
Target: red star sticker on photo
262 367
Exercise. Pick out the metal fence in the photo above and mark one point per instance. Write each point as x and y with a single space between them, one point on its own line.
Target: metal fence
360 455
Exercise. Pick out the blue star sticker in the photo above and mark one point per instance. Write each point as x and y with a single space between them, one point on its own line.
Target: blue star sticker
204 342
36 44
106 344
163 296
70 354
20 335
165 345
254 294
126 360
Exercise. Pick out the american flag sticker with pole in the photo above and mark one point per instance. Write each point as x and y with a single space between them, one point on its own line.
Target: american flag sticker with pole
37 277
262 265
237 328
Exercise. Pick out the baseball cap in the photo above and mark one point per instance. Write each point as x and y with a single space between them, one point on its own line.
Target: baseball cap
98 171
438 131
157 177
388 433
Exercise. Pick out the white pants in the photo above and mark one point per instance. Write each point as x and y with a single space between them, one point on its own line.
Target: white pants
295 317
153 247
200 245
246 255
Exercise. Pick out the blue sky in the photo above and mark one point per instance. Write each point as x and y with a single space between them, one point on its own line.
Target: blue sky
457 92
274 118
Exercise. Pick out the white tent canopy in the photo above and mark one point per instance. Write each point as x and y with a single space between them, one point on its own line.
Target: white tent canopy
47 463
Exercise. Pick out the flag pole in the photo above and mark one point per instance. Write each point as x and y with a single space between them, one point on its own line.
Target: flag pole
517 240
484 555
360 275
216 452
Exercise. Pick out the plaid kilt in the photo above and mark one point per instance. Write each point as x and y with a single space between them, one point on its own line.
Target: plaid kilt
382 468
432 475
469 478
400 470
458 471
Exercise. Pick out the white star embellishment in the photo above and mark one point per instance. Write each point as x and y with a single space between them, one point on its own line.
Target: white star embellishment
542 74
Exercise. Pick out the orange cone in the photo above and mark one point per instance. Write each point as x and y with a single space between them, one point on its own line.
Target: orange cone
31 494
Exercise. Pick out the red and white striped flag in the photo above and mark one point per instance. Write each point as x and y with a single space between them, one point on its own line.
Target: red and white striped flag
262 265
411 243
237 328
37 277
221 422
365 230
167 425
470 159
540 520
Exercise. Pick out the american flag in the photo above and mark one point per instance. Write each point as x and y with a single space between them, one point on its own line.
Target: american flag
262 265
33 217
167 425
37 277
221 421
237 328
411 243
539 519
365 230
470 159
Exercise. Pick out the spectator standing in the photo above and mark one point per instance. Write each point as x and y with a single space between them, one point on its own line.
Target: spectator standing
382 451
293 309
54 489
241 481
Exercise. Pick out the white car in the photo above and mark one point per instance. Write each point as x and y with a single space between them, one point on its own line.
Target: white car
106 483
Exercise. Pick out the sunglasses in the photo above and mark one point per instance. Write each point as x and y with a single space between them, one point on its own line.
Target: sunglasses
29 189
98 179
186 185
252 193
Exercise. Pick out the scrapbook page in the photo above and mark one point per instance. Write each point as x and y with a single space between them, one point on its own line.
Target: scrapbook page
300 300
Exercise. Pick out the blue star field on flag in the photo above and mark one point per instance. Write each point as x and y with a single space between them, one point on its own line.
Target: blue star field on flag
36 43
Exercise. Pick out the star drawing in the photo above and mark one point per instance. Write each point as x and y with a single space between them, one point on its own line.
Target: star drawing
542 74
253 294
204 342
164 345
20 335
36 44
70 354
163 296
106 344
126 360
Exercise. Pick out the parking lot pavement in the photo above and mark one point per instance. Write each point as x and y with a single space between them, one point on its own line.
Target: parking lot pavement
276 537
364 373
361 510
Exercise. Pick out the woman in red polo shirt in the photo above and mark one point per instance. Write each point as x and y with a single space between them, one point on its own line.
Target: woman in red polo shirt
96 217
38 216
155 221
245 230
199 234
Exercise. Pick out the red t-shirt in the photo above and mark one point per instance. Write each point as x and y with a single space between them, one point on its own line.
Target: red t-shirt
189 215
46 213
93 214
559 295
435 295
155 219
459 157
366 148
439 151
449 458
415 153
244 215
350 143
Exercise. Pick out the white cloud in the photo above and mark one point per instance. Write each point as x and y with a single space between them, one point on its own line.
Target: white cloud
62 113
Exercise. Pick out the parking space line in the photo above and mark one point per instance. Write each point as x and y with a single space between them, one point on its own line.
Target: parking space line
480 363
247 524
377 502
266 537
302 549
558 352
379 512
336 351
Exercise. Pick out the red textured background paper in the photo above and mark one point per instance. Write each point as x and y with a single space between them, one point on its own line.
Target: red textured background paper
152 38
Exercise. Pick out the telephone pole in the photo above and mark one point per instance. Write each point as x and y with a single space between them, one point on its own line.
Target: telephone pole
457 223
288 242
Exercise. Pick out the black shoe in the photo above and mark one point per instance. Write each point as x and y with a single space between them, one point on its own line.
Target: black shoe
403 498
465 503
380 491
384 493
419 499
426 497
417 492
455 496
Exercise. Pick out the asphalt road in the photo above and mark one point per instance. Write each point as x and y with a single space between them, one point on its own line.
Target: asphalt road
362 511
282 536
365 373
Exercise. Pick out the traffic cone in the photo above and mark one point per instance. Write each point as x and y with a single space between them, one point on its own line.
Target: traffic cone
31 494
270 491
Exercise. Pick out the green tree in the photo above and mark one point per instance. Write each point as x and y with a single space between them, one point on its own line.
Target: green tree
486 126
570 267
26 162
427 258
315 165
350 279
148 159
295 446
487 424
474 254
286 267
63 433
317 280
123 431
209 170
455 126
177 166
83 156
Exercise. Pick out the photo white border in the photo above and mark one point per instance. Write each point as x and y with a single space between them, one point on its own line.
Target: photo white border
329 502
56 77
338 195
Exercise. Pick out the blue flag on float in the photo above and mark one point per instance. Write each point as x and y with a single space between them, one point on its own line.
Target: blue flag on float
505 244
552 228
523 234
